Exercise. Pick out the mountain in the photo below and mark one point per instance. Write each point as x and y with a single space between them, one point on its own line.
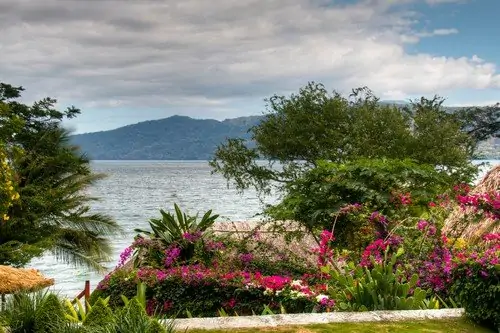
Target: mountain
173 138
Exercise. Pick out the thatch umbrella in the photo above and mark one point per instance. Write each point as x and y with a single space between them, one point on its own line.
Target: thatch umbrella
457 224
14 280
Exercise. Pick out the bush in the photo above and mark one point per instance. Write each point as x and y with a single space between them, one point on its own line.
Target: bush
380 184
100 315
477 285
39 312
384 286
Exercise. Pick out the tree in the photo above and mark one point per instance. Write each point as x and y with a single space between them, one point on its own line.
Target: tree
480 123
299 130
51 175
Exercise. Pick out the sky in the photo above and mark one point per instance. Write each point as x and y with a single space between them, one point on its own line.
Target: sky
126 61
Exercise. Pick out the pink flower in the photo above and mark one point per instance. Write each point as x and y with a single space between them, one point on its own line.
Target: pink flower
125 255
192 236
422 224
405 199
246 258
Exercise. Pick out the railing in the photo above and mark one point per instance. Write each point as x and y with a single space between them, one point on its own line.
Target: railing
84 293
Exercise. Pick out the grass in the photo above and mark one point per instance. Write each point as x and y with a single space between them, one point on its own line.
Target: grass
428 326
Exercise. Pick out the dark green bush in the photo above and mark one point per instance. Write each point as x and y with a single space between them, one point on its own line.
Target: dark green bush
39 312
477 288
100 315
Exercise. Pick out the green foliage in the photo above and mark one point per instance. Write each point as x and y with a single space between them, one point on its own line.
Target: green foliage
313 125
383 287
171 228
133 318
477 289
50 317
481 123
178 229
39 312
317 196
53 212
100 315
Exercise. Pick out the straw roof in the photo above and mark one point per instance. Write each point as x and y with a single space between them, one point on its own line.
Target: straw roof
21 279
273 239
456 225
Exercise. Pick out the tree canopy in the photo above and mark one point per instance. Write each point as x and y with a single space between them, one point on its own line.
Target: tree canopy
312 125
51 176
325 151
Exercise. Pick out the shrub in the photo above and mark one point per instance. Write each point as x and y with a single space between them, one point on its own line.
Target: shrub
39 312
384 286
100 315
477 284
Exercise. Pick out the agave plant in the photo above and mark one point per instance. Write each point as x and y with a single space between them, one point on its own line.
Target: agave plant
172 228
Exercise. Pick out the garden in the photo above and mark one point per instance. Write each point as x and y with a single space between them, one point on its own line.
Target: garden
368 219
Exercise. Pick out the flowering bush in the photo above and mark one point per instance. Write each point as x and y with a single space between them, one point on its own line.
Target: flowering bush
203 291
476 282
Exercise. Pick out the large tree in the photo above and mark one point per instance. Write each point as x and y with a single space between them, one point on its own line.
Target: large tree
334 150
312 125
51 175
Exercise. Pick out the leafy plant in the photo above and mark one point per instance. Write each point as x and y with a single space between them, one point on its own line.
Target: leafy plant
377 184
37 312
477 286
52 212
173 227
383 287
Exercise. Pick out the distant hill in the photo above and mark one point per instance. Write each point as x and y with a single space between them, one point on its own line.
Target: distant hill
173 138
182 138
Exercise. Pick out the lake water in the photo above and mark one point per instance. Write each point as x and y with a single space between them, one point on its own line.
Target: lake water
133 193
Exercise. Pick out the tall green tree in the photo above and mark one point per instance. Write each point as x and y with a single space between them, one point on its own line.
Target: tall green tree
312 125
53 212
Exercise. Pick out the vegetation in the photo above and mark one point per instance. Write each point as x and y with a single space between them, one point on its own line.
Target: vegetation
313 125
44 312
50 175
370 183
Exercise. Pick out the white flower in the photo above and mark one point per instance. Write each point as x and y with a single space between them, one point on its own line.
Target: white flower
296 283
321 297
301 294
268 291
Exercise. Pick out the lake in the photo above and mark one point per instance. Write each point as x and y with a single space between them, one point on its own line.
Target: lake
133 193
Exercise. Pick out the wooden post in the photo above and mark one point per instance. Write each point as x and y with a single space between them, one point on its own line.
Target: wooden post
87 294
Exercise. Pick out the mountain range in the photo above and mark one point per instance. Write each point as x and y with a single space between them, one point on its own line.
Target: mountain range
173 138
181 138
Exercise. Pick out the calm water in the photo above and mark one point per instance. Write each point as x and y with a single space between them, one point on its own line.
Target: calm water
133 193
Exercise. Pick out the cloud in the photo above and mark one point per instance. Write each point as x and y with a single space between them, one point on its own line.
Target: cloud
216 54
437 2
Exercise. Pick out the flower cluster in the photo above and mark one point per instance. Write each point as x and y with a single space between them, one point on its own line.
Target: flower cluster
192 237
324 251
351 208
125 255
485 203
171 254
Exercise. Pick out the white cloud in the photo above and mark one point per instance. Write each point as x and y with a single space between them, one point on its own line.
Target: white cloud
208 53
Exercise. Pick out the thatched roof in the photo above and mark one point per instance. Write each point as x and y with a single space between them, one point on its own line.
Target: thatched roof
21 279
272 238
457 226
